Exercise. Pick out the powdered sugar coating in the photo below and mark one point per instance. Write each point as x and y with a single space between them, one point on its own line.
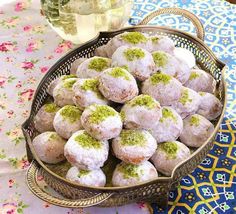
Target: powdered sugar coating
166 94
63 95
140 117
195 135
118 89
187 106
200 80
145 172
84 98
94 177
85 158
109 128
64 127
84 70
43 120
210 106
143 150
169 127
140 68
49 147
166 164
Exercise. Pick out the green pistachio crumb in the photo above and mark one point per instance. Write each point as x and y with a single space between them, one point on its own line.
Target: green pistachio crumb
71 113
167 113
143 100
134 38
119 72
160 58
122 115
90 85
194 75
98 64
68 83
65 77
185 97
88 142
170 148
129 170
51 108
125 67
101 113
132 54
155 39
202 93
194 120
54 136
83 173
132 137
160 77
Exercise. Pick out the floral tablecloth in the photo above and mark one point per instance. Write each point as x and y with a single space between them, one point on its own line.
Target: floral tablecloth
28 47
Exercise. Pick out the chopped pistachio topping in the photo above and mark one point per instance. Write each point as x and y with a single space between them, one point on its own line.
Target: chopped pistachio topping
54 136
83 173
129 171
98 64
194 120
119 72
101 113
125 67
202 93
122 115
68 83
194 75
160 77
132 137
51 108
71 113
160 58
155 39
88 142
144 100
132 54
167 113
90 85
184 97
134 38
65 77
170 148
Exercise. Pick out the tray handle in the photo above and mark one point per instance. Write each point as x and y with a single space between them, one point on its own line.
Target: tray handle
69 203
177 11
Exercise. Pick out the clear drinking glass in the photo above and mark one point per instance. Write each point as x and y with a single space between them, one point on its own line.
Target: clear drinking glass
81 20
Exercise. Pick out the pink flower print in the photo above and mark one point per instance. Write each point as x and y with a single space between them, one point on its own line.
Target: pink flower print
27 95
9 208
19 85
44 69
27 28
27 65
10 113
7 46
59 50
24 164
20 6
11 183
34 45
2 81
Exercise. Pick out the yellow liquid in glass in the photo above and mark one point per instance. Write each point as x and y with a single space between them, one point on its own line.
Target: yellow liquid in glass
81 20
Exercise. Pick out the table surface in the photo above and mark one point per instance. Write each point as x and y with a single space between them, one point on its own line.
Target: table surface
28 47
